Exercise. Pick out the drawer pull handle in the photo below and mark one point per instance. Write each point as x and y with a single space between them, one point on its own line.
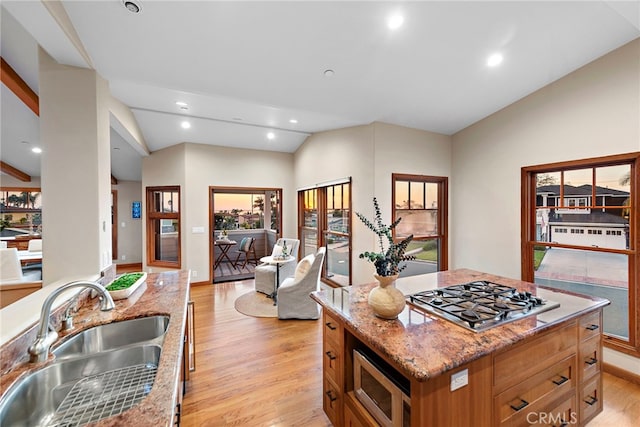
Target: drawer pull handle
330 355
522 404
592 327
330 326
332 398
560 381
591 361
592 400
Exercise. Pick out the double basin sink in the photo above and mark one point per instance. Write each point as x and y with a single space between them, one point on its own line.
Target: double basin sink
98 373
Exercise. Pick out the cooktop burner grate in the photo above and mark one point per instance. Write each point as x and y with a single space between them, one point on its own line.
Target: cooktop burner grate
480 305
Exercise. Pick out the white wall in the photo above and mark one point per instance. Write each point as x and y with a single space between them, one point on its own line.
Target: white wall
370 154
592 112
129 229
162 168
9 181
76 195
196 167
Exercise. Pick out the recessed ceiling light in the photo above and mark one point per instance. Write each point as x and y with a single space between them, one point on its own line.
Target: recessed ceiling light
328 73
181 104
395 21
271 136
131 6
294 121
185 125
495 60
37 150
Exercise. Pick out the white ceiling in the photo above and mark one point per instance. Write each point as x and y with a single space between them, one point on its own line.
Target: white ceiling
247 68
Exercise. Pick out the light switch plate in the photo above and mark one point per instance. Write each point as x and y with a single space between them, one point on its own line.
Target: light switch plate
459 379
197 230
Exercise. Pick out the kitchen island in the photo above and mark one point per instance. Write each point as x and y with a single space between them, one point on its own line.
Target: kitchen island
164 294
542 369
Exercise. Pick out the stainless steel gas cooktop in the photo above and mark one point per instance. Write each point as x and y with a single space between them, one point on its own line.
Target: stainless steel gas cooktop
480 305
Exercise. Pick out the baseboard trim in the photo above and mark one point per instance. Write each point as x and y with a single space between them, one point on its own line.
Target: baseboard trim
131 266
206 282
621 373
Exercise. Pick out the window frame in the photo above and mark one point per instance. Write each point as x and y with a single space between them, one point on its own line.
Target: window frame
153 216
442 237
321 229
528 234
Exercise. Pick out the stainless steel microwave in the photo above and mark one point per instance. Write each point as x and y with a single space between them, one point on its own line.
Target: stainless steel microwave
380 391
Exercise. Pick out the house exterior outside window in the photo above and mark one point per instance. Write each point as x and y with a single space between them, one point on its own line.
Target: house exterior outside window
421 202
581 233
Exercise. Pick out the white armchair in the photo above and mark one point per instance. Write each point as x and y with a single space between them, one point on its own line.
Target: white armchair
294 301
266 273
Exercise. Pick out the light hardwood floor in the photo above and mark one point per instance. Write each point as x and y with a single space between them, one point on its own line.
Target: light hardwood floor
268 372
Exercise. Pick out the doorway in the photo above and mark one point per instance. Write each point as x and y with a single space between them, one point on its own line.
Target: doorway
237 214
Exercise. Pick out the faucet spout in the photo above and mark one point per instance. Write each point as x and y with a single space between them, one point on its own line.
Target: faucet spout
39 350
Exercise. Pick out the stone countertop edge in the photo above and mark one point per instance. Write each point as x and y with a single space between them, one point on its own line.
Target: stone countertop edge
424 345
163 293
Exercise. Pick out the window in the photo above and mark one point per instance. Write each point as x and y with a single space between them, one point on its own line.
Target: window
245 209
325 220
163 226
20 211
421 202
592 263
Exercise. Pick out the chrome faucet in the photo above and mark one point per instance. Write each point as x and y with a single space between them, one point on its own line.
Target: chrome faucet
39 350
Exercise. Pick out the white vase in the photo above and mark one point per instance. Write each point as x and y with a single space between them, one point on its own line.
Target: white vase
385 300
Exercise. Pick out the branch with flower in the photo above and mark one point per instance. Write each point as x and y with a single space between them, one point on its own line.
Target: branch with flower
387 261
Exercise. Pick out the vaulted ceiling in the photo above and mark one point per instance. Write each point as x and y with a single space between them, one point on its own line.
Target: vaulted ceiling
289 69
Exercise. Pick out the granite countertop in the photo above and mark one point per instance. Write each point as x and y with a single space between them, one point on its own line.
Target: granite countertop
425 345
162 294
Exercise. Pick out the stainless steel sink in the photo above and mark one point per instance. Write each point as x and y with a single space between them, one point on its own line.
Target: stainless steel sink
114 335
84 389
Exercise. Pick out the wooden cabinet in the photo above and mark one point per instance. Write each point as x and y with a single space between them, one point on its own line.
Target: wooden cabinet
552 378
187 362
333 368
589 366
355 415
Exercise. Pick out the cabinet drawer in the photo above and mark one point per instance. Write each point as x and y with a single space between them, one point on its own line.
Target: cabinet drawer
332 329
564 414
537 393
521 362
332 401
590 358
590 399
590 325
332 361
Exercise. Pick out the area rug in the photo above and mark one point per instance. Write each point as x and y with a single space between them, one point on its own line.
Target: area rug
256 304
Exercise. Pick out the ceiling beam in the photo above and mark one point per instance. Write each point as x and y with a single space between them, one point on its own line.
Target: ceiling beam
16 173
19 87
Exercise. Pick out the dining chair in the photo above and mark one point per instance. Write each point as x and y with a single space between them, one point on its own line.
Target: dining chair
11 270
35 245
247 251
